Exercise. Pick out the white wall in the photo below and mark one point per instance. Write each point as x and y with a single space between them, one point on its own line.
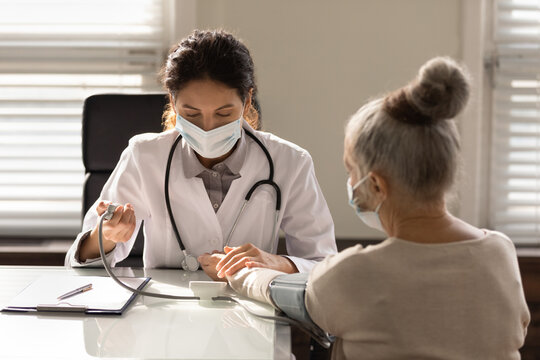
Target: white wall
318 61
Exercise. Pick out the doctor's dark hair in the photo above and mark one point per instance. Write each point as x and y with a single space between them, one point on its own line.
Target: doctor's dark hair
408 136
216 55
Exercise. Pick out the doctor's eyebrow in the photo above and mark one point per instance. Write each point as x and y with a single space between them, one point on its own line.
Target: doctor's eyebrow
219 108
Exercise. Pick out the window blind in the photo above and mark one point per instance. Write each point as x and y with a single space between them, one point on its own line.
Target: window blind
54 55
515 165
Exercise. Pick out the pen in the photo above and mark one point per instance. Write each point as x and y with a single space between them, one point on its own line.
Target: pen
75 292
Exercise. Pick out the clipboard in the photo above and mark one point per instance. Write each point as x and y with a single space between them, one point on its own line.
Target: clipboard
105 298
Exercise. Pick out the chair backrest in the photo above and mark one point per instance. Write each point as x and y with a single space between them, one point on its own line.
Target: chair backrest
109 121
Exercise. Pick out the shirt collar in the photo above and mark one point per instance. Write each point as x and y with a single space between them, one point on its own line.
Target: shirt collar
235 161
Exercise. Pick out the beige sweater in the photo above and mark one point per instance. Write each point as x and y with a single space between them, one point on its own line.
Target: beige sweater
404 300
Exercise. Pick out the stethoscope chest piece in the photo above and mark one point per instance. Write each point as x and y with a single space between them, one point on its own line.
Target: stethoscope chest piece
190 263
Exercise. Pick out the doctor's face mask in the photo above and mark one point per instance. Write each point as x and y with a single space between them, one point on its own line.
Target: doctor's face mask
213 143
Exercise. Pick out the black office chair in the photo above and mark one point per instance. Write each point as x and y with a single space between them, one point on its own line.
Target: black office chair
108 122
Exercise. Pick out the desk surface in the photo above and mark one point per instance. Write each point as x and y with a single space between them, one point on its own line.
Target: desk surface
150 328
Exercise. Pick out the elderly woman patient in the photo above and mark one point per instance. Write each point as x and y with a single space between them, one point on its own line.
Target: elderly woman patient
437 287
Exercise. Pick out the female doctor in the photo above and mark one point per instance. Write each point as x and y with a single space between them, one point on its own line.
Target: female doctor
213 154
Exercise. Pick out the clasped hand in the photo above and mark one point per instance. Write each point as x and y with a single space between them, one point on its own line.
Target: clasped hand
218 265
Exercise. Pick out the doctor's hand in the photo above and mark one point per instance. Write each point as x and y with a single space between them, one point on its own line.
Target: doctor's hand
208 263
248 255
118 229
122 224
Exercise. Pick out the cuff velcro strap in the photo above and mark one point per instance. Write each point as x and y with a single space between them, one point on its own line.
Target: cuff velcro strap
288 292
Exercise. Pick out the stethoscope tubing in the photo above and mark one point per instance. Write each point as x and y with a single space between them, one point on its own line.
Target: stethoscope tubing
269 181
321 339
167 198
280 319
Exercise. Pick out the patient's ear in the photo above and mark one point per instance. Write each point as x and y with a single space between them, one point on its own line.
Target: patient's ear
378 186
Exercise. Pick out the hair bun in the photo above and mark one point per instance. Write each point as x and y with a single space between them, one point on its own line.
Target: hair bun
441 89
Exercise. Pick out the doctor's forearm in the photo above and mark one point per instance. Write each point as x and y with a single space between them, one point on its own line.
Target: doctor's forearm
89 248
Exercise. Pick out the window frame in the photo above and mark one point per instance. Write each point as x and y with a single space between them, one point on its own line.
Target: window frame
171 11
476 124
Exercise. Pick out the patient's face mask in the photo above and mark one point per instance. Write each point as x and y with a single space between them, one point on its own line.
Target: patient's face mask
210 144
370 218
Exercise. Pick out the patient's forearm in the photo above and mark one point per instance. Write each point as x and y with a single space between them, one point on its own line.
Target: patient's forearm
254 283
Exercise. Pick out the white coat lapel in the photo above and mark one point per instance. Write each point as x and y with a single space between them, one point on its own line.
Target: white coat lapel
194 215
228 211
253 223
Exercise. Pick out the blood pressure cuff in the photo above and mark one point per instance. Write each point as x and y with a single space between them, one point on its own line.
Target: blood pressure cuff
288 293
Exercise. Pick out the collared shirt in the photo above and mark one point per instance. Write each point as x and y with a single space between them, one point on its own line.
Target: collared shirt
217 180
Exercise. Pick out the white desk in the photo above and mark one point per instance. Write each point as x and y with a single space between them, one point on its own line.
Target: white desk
150 328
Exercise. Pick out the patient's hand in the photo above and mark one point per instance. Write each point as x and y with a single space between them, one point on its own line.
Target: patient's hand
208 263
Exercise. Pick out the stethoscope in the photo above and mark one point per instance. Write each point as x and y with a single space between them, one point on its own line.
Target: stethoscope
321 337
190 262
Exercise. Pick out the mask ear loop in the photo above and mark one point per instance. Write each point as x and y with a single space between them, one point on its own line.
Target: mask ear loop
378 207
360 182
353 188
376 211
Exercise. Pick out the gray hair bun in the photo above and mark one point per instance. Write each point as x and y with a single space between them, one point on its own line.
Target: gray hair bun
441 89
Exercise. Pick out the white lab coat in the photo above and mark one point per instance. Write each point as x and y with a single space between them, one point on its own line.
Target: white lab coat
139 179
